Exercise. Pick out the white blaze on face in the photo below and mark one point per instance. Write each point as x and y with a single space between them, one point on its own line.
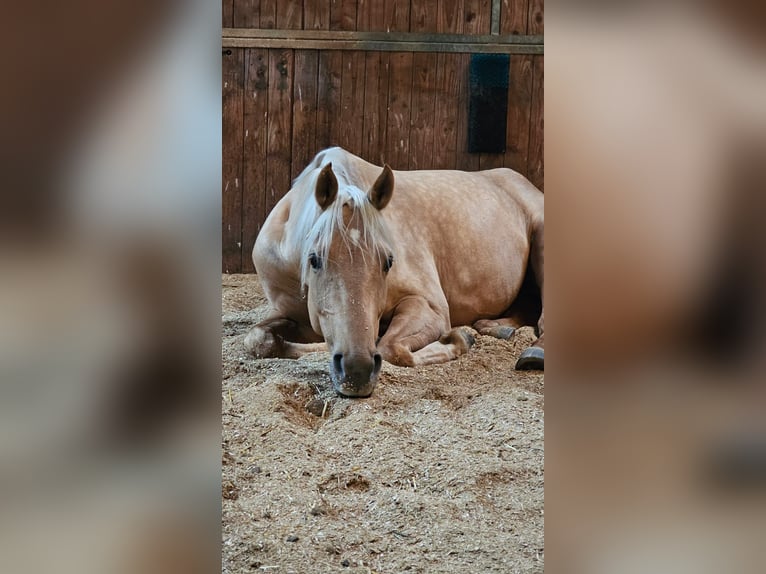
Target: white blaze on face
354 235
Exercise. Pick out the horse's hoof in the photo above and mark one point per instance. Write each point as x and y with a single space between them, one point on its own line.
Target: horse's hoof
501 332
532 359
461 338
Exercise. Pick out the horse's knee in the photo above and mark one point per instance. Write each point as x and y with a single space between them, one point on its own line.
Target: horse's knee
263 343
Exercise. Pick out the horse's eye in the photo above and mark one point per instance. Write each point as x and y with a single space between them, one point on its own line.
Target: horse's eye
388 263
315 261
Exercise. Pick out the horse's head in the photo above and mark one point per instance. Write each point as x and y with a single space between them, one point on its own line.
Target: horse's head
345 267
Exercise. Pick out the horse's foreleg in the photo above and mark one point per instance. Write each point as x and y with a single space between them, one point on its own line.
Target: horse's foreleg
280 337
534 356
418 335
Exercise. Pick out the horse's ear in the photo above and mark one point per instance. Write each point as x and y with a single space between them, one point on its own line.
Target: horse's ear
382 189
327 187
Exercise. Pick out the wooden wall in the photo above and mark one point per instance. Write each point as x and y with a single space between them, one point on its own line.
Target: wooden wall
406 108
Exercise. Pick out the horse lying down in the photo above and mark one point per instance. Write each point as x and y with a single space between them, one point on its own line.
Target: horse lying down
371 265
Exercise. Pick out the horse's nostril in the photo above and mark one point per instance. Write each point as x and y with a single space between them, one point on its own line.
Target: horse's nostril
337 361
378 360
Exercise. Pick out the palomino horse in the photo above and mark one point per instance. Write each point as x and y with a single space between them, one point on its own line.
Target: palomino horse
384 265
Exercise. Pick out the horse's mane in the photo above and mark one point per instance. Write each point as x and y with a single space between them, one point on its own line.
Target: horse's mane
314 229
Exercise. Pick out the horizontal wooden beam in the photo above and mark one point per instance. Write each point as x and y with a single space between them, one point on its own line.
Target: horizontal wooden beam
380 41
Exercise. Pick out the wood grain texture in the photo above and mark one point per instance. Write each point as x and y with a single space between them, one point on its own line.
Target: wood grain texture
279 125
478 16
305 88
328 103
255 148
396 17
446 96
399 110
519 102
232 164
227 13
316 15
423 110
247 14
464 159
513 16
352 102
536 17
289 15
268 13
535 170
449 16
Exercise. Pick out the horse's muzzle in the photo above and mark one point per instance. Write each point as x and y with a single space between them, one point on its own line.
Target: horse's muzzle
354 375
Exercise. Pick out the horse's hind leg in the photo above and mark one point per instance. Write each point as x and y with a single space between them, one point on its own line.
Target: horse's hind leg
280 337
534 356
418 335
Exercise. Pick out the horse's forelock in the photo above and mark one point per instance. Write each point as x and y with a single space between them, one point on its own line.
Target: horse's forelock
319 236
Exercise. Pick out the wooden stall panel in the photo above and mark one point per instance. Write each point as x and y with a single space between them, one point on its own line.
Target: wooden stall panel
446 96
535 172
513 16
255 145
450 16
536 17
304 109
328 103
247 14
227 13
231 194
519 102
477 16
399 110
352 102
316 15
279 126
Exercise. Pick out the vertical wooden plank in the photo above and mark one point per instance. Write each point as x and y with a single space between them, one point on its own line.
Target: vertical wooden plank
423 19
352 101
536 17
247 14
304 110
268 13
371 16
328 102
478 16
449 16
536 132
343 14
371 118
227 13
316 14
396 17
289 15
464 160
348 14
519 107
513 17
281 68
231 194
399 110
254 208
445 112
423 101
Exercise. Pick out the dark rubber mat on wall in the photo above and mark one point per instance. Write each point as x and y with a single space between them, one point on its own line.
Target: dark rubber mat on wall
488 105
